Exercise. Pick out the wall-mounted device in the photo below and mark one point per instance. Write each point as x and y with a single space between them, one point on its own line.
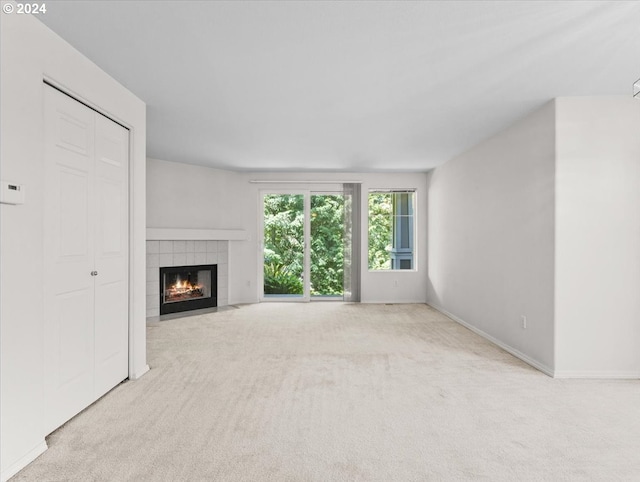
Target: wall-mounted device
11 193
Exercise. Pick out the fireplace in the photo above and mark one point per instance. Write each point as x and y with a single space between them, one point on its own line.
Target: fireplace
185 288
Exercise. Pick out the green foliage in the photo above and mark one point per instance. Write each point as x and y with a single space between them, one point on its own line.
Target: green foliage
327 244
284 241
284 244
380 230
278 280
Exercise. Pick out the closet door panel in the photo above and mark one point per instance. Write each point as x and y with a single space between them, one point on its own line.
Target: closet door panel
69 258
111 257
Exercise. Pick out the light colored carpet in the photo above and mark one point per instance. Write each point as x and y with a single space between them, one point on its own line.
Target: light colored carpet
343 392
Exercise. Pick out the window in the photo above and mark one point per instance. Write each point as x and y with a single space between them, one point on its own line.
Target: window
391 229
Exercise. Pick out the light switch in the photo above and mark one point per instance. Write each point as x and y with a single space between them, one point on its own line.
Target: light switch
11 193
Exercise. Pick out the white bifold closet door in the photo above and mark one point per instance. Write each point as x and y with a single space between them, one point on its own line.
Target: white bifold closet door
85 256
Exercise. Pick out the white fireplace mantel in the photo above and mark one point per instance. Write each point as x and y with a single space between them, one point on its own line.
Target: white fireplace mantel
179 234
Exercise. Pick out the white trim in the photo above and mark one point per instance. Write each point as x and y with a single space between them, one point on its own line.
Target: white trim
597 374
395 270
306 287
134 241
47 79
260 246
136 376
393 302
269 181
181 234
25 460
284 299
518 354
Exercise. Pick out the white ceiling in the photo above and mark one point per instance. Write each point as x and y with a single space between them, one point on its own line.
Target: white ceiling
349 86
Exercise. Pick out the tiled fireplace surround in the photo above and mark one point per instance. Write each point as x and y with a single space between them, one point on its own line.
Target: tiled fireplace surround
185 253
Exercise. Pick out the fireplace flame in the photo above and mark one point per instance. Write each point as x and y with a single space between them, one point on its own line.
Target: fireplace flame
183 290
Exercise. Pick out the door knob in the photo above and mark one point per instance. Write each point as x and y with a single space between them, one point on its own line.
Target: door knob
94 273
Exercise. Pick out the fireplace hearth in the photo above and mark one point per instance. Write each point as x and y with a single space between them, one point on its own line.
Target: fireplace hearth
186 288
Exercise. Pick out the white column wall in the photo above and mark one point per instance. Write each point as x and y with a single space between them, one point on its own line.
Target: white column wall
597 276
30 51
491 238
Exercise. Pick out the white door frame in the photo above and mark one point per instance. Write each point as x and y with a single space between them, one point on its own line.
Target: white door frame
306 296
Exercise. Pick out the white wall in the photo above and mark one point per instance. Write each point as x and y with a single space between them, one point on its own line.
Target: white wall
186 196
598 237
491 237
30 51
229 201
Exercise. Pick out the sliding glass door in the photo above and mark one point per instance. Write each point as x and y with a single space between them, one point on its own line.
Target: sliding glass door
302 249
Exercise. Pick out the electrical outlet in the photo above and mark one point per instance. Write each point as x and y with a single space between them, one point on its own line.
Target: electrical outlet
524 321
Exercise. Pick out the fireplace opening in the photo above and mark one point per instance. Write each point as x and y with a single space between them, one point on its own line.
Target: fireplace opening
185 288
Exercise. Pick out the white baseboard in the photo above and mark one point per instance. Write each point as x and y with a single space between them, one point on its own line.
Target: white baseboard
597 374
518 354
144 370
393 302
29 457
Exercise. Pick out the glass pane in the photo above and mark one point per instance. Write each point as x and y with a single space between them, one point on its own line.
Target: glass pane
391 233
327 244
380 230
284 244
